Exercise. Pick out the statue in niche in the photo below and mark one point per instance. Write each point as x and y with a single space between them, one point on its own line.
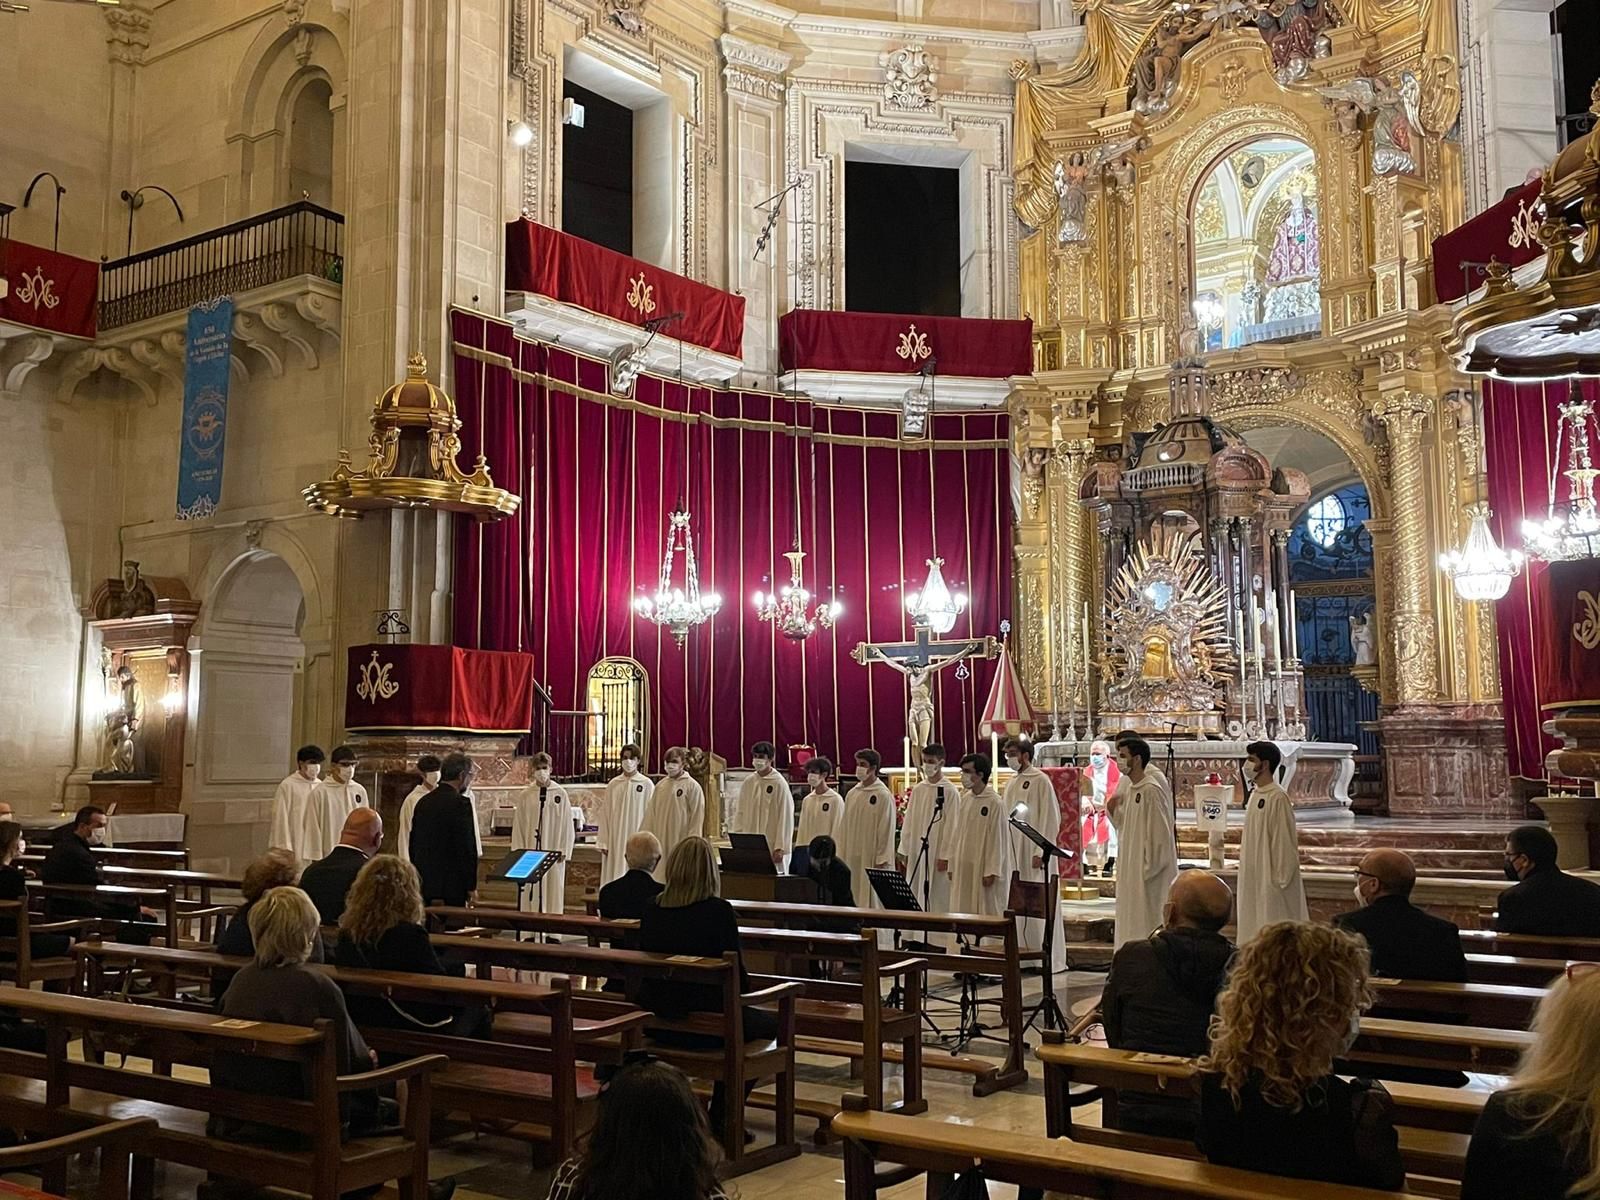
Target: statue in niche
1361 640
1294 32
1072 198
1155 72
1296 246
124 721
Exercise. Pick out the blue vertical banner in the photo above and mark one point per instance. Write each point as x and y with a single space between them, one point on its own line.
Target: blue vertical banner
208 351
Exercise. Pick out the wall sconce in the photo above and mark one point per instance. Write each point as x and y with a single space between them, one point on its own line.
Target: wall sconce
135 200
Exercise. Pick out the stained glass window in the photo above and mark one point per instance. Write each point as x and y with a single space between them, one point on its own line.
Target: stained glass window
1327 519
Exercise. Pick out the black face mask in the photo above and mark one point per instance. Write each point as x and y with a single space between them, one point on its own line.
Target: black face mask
1511 872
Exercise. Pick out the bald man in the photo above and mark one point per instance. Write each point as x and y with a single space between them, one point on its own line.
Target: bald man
1406 943
626 897
1162 990
327 881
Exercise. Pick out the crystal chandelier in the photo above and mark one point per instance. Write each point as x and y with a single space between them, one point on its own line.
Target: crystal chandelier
678 609
1574 533
936 606
1481 570
787 607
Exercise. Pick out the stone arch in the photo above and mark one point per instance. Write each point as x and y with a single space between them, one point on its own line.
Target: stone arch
1307 414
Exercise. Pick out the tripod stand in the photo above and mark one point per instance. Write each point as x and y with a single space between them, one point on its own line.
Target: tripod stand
1049 1008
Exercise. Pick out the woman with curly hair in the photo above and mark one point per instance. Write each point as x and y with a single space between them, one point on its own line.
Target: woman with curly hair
1269 1100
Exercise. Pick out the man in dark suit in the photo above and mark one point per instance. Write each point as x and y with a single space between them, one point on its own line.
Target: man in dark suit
1406 943
444 841
1546 900
625 898
71 860
327 881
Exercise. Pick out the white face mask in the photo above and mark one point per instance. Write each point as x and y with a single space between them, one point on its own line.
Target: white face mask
1097 760
969 781
674 769
932 772
1013 762
22 847
864 774
310 770
431 778
762 765
819 783
630 765
1361 899
343 772
97 836
542 776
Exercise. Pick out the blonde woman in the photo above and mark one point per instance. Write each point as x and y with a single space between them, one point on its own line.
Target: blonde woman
276 868
1269 1100
1540 1138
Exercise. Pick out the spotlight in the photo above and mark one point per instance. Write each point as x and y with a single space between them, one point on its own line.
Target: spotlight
520 132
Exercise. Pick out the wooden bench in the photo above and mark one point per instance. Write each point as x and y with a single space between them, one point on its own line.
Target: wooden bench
734 1063
119 856
57 900
1495 1005
1451 1047
17 963
1529 945
1508 968
942 1150
52 1093
114 1142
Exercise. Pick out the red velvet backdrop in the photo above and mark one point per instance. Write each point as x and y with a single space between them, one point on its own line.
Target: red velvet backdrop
1520 443
598 474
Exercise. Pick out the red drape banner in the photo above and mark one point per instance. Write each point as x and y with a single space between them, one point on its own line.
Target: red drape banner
1568 653
43 289
1520 447
1070 836
438 687
550 263
1503 231
809 339
599 474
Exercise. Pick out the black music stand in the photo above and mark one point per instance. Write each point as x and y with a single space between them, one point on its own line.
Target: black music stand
525 868
749 854
1048 1007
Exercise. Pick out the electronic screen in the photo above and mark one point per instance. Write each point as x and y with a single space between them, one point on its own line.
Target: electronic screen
525 865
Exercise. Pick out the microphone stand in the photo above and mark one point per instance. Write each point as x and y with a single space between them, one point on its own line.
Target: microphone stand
1048 1008
538 839
923 863
1172 781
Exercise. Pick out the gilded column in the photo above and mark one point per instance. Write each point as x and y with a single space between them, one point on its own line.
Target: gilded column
1403 414
1036 634
1070 541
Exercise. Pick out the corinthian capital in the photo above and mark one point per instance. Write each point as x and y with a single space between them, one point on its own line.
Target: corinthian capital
752 68
1074 454
1403 409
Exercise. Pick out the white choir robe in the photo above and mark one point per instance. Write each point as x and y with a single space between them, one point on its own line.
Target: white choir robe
819 815
621 813
330 803
289 813
408 814
919 820
766 806
865 838
552 832
675 810
1147 859
1032 787
1269 863
977 847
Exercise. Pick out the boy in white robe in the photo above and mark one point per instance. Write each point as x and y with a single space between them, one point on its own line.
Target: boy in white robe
621 814
676 809
1147 863
976 854
1270 888
819 811
543 821
428 768
1031 789
333 799
766 806
928 814
865 833
287 829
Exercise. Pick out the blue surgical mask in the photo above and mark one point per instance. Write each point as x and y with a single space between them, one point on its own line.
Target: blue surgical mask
1097 760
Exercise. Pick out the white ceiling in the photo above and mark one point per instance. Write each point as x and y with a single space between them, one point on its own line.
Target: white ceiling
1324 464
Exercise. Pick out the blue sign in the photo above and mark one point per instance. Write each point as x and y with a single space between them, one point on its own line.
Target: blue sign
208 351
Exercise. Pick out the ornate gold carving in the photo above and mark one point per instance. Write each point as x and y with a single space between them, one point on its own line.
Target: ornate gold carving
1403 413
914 346
1033 467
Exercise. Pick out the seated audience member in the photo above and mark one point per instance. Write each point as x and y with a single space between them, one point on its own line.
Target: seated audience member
276 868
1162 991
690 917
1540 1138
650 1141
70 860
1269 1100
382 930
627 896
829 873
328 880
1403 941
14 886
1546 900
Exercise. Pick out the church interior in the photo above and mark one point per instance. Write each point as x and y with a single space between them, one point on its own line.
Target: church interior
871 598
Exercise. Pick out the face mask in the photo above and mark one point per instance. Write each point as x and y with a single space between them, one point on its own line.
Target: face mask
542 776
762 764
1353 1034
1013 762
22 847
1361 898
344 773
630 765
1097 760
431 778
969 781
864 774
932 773
674 769
819 783
1511 872
97 837
310 770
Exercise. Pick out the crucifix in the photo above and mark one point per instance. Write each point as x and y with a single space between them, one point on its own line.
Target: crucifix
917 660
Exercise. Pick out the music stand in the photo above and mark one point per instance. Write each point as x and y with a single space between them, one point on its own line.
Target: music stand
893 891
749 854
1048 1007
525 868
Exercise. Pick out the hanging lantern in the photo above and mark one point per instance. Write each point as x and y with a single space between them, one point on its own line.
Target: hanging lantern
1480 569
936 606
678 609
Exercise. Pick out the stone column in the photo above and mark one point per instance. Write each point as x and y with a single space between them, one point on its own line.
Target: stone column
127 39
1070 540
1403 413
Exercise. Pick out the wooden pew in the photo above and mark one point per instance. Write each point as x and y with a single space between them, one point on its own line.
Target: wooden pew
733 1063
1423 1044
194 891
1507 968
1495 1005
1006 964
17 963
120 856
530 1082
52 1093
942 1150
1527 945
114 1142
56 896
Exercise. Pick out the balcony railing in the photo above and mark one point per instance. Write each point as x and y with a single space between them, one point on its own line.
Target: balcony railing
299 239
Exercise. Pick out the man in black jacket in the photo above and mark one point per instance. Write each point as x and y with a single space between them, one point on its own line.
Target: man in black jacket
70 860
444 844
1546 900
1406 943
1162 990
625 897
327 881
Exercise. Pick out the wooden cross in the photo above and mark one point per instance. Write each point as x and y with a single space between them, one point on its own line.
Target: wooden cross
917 660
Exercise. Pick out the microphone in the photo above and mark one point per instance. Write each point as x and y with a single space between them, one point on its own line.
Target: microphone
938 800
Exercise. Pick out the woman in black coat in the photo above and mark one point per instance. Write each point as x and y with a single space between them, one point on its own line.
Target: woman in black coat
14 886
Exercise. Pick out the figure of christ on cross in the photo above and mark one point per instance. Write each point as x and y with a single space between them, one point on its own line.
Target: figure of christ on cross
917 660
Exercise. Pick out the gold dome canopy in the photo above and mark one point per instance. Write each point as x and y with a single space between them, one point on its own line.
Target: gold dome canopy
411 460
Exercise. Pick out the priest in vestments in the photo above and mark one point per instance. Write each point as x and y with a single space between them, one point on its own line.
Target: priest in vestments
1030 790
676 809
820 809
621 814
977 856
543 821
1270 888
929 811
287 830
865 833
1147 858
333 799
766 806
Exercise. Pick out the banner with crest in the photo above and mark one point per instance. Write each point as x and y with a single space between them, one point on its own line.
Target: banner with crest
208 352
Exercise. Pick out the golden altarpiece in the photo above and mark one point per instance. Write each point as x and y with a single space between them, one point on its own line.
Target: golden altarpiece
1119 154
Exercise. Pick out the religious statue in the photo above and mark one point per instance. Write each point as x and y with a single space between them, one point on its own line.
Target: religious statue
1296 247
917 661
1155 73
1361 640
124 719
137 599
1395 109
1072 198
1293 31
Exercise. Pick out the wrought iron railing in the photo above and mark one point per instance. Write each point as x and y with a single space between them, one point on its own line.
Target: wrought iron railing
299 239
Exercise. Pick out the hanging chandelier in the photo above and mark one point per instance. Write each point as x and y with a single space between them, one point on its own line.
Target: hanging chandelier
788 607
936 606
1575 532
678 610
1480 569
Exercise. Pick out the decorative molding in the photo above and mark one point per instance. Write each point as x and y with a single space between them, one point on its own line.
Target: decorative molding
909 78
752 68
20 355
127 34
294 11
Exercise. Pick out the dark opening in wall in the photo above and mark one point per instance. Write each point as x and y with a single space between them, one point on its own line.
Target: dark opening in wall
902 239
597 171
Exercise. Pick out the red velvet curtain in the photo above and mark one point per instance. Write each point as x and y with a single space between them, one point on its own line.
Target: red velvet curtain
1520 444
598 476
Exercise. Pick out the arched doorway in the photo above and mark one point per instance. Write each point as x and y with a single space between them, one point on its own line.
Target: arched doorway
248 707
